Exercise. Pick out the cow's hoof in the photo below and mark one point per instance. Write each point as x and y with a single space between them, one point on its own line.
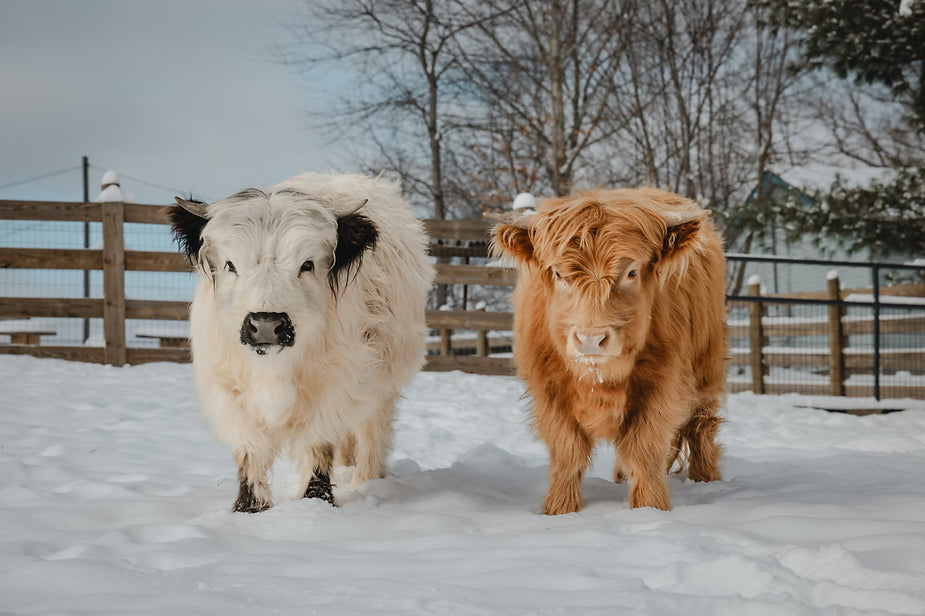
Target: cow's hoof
320 487
248 502
650 496
252 507
557 504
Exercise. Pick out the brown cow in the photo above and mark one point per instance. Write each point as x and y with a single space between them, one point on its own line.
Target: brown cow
620 336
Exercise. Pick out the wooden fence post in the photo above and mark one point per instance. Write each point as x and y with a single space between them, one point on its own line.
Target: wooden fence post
113 215
481 343
446 341
836 338
756 338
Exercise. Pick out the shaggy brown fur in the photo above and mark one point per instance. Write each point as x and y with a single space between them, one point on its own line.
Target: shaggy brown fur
620 336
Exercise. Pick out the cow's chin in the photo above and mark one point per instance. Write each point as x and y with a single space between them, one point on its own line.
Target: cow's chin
265 350
599 368
583 359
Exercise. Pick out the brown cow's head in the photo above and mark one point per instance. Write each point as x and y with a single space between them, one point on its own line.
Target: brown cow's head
599 260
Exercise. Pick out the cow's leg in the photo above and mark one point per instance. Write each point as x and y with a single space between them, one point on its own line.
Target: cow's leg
645 449
676 453
253 488
569 456
346 454
619 474
315 463
373 442
700 434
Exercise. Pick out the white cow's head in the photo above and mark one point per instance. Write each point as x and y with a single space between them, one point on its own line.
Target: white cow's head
274 261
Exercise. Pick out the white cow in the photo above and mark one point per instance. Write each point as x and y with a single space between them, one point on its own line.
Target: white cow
308 318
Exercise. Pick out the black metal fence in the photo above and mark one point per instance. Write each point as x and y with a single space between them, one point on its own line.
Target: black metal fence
835 328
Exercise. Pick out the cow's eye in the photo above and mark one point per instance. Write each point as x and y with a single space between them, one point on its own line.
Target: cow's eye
308 266
631 274
559 279
230 267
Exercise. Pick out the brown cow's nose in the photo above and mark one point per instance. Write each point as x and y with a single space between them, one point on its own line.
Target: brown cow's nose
265 329
592 341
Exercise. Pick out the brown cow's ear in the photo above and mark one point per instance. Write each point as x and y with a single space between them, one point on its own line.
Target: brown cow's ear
683 231
513 239
680 237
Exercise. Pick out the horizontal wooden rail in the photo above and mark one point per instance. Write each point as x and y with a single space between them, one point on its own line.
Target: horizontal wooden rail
458 230
72 307
470 363
69 211
51 258
91 259
155 261
50 210
95 355
859 362
90 308
779 327
156 309
479 251
146 213
888 325
475 274
469 319
145 356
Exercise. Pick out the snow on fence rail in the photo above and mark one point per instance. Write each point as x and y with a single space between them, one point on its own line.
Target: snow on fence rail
855 342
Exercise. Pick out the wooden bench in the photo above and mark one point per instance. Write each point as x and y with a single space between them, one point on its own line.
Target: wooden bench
26 337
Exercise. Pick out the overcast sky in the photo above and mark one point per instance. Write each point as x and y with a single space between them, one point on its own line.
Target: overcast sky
180 93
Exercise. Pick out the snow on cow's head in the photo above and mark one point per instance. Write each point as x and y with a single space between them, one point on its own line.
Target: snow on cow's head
274 261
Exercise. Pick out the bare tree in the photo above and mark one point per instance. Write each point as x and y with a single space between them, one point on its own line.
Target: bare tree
685 132
470 102
547 75
395 57
710 102
867 124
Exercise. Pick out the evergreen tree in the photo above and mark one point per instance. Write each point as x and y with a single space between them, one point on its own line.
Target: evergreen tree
878 44
872 41
887 217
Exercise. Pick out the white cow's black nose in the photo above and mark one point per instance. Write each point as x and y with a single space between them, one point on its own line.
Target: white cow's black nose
265 329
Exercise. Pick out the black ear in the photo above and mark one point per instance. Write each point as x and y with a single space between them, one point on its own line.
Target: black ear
187 227
355 235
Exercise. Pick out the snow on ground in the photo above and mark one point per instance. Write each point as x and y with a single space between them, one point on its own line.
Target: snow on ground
115 499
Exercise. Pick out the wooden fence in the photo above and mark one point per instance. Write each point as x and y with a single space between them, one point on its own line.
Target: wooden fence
464 240
830 368
113 260
450 240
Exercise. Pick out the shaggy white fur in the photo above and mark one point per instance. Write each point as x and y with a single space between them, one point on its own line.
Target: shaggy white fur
357 339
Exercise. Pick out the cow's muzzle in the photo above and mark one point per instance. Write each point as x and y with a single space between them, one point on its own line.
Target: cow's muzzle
262 330
593 343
